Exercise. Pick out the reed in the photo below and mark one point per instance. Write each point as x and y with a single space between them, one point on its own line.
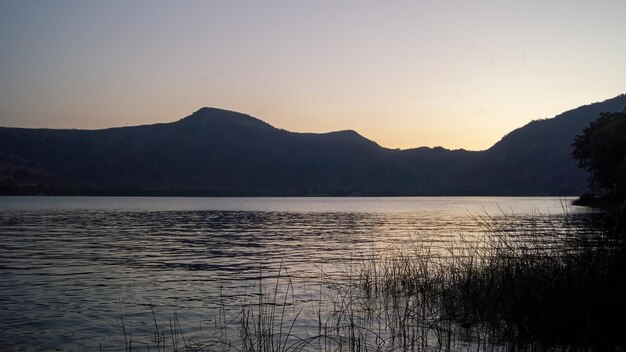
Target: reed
510 289
513 289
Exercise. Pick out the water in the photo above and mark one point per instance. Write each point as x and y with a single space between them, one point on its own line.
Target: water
72 269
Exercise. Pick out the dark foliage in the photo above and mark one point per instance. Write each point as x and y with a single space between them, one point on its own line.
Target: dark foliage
601 149
517 289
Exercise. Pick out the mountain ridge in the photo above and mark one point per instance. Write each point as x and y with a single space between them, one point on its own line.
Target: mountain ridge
216 152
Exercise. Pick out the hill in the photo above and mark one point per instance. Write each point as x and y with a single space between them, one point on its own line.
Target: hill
216 152
536 159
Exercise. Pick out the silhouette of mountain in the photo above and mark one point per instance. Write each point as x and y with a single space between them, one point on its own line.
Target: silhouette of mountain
216 152
536 159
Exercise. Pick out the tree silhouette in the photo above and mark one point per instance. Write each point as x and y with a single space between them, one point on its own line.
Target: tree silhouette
601 149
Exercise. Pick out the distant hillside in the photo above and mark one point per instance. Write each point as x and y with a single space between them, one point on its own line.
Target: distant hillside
215 152
536 159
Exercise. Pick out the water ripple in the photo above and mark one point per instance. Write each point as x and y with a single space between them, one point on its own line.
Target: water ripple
64 273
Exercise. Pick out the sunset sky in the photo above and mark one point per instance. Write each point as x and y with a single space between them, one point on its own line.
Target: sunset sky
458 74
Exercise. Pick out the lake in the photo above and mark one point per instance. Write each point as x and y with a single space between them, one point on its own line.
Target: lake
73 269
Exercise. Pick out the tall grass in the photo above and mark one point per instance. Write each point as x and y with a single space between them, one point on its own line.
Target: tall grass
168 338
516 289
511 289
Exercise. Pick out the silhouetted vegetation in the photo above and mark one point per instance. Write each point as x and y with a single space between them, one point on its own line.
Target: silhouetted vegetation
513 289
601 149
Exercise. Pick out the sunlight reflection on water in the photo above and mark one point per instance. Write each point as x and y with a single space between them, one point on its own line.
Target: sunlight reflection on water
68 264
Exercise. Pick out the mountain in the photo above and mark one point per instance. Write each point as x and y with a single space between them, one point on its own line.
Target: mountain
216 152
536 158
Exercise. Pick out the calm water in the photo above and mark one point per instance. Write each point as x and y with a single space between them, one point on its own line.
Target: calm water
70 266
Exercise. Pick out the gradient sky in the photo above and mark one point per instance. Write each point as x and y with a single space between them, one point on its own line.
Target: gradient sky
459 74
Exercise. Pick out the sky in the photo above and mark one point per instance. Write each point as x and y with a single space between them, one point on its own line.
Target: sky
457 74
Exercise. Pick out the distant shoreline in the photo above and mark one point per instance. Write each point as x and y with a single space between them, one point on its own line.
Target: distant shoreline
591 201
571 196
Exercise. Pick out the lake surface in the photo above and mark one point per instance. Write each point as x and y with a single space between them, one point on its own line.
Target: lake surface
72 269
